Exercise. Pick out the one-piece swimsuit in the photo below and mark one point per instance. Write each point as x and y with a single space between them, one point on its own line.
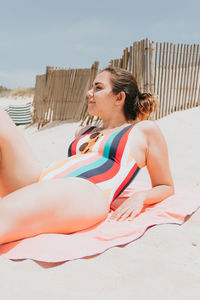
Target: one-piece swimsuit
109 163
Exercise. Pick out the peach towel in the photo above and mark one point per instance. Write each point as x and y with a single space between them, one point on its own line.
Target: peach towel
99 238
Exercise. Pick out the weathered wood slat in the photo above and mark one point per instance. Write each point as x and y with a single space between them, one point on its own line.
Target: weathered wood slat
196 77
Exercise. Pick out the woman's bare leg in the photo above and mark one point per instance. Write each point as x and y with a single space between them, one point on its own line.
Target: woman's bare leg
18 165
54 206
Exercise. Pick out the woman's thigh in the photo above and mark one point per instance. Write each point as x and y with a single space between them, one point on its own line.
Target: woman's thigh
18 164
54 206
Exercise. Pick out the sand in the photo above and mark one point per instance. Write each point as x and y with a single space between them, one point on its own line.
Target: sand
17 101
162 264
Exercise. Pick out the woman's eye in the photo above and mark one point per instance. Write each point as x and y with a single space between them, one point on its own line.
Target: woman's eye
98 88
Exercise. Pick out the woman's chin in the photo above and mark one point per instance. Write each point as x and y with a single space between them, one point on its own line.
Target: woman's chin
92 113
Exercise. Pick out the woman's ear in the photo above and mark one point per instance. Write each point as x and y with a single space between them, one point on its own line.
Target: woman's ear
121 98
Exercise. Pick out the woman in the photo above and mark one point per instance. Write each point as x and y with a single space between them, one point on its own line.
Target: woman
77 193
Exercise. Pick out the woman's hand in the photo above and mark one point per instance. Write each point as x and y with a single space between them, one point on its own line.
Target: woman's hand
130 207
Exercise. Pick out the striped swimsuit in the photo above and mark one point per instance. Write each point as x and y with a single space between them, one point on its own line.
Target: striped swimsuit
109 163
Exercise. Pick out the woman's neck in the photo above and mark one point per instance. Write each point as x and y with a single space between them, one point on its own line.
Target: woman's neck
113 123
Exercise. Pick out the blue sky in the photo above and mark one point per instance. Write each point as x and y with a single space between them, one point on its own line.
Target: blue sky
73 34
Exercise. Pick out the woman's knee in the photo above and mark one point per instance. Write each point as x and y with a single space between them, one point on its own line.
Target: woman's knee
6 125
4 116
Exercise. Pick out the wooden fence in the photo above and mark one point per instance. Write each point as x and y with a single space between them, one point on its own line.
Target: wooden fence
60 94
168 70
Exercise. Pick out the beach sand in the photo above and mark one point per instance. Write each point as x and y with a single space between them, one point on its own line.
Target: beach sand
163 264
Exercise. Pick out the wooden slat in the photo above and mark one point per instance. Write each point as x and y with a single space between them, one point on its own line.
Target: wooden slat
191 75
180 54
151 64
130 59
179 106
156 77
65 95
47 117
140 65
165 74
196 78
82 92
182 66
78 90
126 56
186 74
168 79
146 67
160 76
172 80
134 67
162 53
176 54
143 65
188 90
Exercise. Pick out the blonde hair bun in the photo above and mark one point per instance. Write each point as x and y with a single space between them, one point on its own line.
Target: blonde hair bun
145 105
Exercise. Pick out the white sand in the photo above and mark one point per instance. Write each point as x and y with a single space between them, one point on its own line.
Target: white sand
163 264
6 101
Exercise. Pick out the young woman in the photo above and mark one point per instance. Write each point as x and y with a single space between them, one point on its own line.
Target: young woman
77 192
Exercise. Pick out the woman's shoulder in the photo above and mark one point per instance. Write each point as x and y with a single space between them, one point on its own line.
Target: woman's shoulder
81 129
148 126
148 129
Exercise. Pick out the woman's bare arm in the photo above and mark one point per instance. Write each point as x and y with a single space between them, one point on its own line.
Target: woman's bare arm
157 163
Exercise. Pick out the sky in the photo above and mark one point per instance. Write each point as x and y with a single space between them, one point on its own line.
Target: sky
73 34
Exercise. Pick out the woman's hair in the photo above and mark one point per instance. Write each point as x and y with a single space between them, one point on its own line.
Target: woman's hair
137 105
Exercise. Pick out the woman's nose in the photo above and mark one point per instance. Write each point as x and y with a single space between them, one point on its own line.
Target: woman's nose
90 93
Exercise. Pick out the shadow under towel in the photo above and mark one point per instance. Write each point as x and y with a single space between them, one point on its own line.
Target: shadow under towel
109 233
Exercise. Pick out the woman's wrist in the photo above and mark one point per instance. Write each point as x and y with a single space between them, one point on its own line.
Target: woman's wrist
157 194
140 197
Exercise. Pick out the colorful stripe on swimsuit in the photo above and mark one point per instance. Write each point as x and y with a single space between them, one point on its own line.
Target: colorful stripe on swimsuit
109 163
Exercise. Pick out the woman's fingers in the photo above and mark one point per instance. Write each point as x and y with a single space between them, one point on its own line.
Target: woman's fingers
118 213
128 210
121 214
133 214
125 215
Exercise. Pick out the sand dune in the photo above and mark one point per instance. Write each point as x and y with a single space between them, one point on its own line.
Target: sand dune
163 264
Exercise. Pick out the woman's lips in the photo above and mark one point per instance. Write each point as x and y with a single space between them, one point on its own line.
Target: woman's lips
91 102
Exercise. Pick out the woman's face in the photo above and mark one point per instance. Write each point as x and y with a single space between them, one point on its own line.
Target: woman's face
101 98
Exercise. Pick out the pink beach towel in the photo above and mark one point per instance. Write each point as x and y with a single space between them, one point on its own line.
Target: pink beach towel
61 247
